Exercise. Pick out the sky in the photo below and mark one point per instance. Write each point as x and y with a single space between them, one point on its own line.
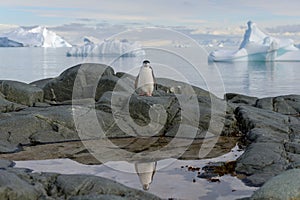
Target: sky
213 13
217 17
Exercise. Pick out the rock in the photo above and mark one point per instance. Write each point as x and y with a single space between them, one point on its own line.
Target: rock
294 159
98 197
168 113
91 81
288 105
7 147
292 147
7 106
218 169
284 187
273 144
239 99
13 187
38 125
41 83
18 183
6 163
261 158
82 185
21 93
266 135
265 103
187 131
251 117
137 113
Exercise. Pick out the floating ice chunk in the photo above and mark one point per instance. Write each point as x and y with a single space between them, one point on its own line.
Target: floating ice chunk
113 47
258 46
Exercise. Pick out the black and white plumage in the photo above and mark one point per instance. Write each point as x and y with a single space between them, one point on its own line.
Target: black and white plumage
145 80
145 171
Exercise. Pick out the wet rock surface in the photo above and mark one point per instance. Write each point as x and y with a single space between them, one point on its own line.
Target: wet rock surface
214 170
92 103
23 184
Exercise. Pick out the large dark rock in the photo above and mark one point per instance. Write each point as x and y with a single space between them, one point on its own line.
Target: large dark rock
262 161
79 185
89 80
21 93
13 187
239 99
38 125
273 143
164 115
284 187
8 147
289 104
7 106
251 117
41 83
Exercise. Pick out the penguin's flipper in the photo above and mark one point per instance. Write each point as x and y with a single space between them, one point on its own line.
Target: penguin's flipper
154 79
136 82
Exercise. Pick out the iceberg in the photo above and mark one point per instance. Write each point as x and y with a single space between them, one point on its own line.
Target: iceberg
258 46
5 42
112 47
37 37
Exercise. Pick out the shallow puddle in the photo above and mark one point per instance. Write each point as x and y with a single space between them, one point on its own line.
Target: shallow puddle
172 177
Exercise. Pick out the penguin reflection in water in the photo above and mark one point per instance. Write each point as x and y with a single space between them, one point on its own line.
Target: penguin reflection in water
145 80
145 171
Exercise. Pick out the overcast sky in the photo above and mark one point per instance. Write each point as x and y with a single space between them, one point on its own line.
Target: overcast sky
209 13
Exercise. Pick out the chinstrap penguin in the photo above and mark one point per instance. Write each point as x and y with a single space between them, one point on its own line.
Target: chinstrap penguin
145 80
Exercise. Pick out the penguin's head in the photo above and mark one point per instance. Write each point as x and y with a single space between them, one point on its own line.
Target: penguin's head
146 63
146 186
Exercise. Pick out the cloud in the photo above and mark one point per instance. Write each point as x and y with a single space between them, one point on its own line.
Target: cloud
216 14
275 7
285 29
118 10
85 19
7 27
75 32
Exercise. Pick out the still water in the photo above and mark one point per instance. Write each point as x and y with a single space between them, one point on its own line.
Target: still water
172 181
259 79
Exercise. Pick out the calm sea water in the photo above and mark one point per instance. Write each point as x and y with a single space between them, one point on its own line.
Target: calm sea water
259 79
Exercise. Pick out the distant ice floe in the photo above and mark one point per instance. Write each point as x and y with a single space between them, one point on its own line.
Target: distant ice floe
36 37
5 42
258 46
113 47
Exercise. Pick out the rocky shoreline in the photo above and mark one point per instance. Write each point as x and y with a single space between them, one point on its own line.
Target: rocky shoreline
51 111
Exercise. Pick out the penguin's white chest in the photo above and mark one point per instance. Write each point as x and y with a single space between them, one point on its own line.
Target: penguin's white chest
146 81
145 172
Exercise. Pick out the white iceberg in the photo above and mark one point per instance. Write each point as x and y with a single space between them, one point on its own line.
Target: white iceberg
37 37
111 47
5 42
258 46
